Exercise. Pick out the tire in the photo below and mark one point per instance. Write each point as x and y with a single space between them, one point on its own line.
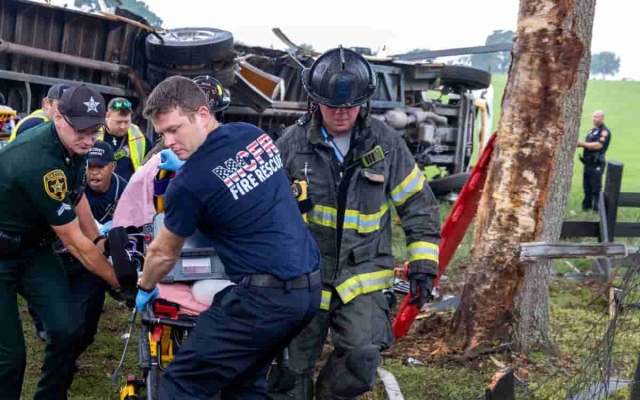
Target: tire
193 46
226 75
467 77
448 184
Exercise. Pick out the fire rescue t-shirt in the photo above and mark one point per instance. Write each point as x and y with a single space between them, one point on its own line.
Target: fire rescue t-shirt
235 191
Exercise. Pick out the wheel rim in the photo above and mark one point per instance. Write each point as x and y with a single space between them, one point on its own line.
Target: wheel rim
190 35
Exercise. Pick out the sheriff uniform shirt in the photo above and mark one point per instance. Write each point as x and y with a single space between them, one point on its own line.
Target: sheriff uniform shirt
235 191
37 179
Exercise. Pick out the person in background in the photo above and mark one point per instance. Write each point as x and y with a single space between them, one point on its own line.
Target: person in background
593 157
127 140
45 114
104 186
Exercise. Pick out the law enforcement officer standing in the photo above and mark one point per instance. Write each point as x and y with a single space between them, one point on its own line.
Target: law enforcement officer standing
234 190
41 179
593 157
45 114
354 167
128 142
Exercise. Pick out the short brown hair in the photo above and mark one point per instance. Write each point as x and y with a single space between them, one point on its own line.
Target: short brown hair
123 111
176 92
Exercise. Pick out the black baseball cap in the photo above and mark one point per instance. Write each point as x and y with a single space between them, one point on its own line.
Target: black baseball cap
56 91
100 154
83 107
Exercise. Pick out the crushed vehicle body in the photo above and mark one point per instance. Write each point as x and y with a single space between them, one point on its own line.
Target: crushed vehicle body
432 105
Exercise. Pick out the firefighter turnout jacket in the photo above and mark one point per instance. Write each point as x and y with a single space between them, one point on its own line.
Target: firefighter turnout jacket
351 214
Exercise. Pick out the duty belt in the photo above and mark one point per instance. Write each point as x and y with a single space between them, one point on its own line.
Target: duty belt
12 243
307 281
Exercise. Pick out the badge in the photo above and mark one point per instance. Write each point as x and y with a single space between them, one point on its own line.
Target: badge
120 154
55 184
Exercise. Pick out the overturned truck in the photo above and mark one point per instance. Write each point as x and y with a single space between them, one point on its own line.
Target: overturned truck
432 105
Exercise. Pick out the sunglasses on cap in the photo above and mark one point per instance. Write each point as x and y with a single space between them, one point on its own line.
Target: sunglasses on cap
121 105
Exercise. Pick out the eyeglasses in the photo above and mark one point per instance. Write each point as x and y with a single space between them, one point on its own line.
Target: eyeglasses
90 132
121 105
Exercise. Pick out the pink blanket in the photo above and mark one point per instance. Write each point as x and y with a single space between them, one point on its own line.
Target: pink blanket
135 207
181 293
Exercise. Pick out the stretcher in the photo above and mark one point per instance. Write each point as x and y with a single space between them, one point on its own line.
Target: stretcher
167 322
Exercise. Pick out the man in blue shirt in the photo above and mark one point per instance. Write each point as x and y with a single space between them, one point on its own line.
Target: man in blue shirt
104 186
233 189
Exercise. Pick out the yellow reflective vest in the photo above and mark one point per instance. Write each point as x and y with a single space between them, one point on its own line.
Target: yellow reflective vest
36 114
137 145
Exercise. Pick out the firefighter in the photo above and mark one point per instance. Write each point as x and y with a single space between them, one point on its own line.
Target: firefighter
234 190
42 176
129 143
593 157
355 168
45 114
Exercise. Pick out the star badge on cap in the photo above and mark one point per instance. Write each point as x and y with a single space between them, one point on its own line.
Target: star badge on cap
92 105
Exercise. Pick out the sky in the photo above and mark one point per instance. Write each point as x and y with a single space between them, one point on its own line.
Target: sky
400 25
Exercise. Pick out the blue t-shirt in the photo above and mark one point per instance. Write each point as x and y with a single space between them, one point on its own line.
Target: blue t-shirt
103 205
234 190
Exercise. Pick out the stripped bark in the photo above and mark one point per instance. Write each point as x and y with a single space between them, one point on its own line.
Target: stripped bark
529 176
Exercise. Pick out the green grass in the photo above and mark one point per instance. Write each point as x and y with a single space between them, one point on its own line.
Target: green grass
620 102
571 319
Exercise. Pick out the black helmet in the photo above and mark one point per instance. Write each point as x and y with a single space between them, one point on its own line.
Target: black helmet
217 96
340 78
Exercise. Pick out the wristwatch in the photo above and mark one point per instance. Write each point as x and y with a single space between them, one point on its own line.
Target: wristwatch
139 287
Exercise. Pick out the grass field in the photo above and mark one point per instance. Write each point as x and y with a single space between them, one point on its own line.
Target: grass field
619 100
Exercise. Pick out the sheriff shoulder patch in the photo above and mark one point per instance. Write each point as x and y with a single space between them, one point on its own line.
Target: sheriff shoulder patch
55 184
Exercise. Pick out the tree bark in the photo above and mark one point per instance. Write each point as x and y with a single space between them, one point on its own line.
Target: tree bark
529 176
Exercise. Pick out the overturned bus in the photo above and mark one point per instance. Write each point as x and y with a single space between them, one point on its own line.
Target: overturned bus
434 106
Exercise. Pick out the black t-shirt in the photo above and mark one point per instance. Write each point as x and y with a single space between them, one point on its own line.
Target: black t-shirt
235 191
103 205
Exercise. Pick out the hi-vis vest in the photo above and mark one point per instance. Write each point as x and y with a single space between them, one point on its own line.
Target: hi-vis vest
36 114
137 145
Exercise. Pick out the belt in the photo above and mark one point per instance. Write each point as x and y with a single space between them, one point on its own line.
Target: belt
307 281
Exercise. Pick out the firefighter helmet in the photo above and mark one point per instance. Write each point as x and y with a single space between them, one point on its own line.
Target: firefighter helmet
340 78
217 96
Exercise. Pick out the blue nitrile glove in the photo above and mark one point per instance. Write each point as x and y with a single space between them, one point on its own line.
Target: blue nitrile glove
169 161
105 228
142 298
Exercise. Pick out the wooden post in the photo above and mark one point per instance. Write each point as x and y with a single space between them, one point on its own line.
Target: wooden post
635 387
612 186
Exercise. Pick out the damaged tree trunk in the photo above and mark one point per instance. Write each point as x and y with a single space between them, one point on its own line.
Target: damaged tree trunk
529 177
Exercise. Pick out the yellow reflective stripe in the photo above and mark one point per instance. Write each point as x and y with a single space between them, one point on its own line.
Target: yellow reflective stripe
353 219
411 185
423 251
325 303
323 215
136 146
36 114
364 223
364 283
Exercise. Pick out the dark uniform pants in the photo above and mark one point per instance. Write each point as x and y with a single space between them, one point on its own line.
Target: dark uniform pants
39 277
235 340
360 329
592 184
88 295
